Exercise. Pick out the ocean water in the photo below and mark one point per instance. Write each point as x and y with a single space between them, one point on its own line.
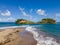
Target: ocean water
44 34
6 24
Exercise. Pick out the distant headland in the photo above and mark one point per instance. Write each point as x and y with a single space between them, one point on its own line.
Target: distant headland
43 21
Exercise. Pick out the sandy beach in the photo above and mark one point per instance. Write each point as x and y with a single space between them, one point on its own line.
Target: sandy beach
16 36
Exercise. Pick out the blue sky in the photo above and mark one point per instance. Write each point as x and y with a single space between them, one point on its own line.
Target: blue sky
34 10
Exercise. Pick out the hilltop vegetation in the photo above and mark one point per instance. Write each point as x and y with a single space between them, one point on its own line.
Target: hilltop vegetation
47 21
43 21
23 21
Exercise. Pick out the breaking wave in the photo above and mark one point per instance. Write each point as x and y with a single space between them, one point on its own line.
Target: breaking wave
41 37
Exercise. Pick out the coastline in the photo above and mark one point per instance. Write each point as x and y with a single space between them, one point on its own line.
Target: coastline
26 35
43 38
9 27
13 36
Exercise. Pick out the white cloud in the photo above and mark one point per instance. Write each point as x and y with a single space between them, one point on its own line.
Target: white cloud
0 19
58 14
10 19
31 10
6 13
41 12
30 17
24 13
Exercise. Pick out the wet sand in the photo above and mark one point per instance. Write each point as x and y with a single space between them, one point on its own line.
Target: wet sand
16 36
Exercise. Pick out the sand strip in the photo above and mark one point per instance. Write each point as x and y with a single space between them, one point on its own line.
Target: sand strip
16 36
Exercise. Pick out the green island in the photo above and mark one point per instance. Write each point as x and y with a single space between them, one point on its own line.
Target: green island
43 21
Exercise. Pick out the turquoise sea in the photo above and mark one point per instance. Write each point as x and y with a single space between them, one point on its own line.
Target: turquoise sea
49 34
45 34
50 28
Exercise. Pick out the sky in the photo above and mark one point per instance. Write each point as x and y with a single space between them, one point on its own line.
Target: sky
33 10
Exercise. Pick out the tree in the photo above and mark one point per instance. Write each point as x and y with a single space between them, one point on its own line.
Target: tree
48 21
23 21
17 21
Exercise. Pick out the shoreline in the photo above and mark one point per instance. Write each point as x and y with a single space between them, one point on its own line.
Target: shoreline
11 27
43 38
30 36
14 36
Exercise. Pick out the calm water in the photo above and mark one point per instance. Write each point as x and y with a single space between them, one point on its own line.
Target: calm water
5 24
50 28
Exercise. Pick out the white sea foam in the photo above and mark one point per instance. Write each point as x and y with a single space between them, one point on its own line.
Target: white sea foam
13 26
41 40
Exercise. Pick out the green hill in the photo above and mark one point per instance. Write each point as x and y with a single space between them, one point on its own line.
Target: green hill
43 21
23 21
47 21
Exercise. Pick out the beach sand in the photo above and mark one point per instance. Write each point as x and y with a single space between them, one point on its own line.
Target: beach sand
16 36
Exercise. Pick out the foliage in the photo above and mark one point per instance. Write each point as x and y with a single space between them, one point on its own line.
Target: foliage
47 21
43 21
19 21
